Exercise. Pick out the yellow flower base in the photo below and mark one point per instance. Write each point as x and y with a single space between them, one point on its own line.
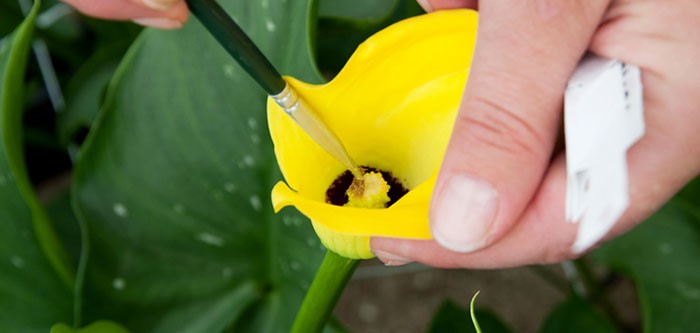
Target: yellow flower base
393 107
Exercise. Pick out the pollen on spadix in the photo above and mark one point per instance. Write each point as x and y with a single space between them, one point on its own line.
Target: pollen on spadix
370 191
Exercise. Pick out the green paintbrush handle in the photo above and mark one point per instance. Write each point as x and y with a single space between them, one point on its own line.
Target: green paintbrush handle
238 44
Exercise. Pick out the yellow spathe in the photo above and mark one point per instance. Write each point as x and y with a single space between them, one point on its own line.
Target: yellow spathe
393 106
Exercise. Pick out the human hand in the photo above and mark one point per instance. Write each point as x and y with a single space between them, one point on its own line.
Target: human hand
499 200
163 14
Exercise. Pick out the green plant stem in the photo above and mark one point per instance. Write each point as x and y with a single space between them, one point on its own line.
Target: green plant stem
324 292
597 292
477 328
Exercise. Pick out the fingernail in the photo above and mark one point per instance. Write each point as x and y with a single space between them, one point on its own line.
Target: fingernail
426 5
159 22
391 259
159 4
464 213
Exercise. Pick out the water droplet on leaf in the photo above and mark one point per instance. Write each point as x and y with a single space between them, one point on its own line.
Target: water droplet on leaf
210 239
270 26
17 261
255 202
119 283
120 210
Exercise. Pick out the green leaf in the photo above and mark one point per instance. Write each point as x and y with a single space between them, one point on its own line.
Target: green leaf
35 278
367 10
10 17
85 92
576 315
174 180
451 318
59 208
691 195
102 326
661 257
343 25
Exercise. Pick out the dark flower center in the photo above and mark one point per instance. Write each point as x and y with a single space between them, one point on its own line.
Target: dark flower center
336 193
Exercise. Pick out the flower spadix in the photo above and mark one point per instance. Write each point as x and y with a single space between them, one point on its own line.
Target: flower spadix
393 106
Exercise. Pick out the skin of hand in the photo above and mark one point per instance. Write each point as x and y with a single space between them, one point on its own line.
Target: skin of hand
162 14
499 200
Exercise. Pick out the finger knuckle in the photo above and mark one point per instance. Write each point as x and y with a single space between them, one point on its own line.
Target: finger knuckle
500 127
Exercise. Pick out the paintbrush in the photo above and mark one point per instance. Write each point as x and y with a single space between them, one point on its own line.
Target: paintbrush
241 47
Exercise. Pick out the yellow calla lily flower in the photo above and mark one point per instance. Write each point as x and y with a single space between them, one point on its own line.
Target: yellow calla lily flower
393 106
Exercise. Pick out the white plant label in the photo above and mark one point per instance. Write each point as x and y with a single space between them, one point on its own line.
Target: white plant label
603 118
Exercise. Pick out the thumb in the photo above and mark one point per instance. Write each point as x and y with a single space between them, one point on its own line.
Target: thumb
509 117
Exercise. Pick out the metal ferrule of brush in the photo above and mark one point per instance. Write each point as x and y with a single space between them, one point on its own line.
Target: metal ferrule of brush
288 100
309 121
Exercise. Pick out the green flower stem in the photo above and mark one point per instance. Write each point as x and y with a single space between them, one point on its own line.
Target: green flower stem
324 292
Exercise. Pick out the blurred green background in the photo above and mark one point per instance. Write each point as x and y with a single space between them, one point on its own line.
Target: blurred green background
135 170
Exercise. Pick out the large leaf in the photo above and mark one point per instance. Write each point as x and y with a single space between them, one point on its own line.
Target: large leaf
35 280
661 256
360 10
173 185
451 318
343 25
85 92
577 316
